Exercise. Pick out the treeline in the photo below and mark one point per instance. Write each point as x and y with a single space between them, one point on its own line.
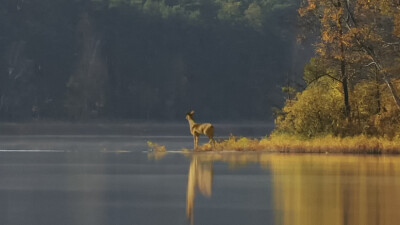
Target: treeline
144 59
353 79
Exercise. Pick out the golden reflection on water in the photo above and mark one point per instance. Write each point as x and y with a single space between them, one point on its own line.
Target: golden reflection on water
315 189
337 190
199 178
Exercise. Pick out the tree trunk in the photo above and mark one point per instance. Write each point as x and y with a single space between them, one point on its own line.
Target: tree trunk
343 71
346 97
392 90
378 92
345 84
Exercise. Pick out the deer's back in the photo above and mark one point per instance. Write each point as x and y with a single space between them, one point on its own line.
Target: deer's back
204 128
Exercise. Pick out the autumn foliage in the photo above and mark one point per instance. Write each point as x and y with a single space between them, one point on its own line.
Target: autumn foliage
353 79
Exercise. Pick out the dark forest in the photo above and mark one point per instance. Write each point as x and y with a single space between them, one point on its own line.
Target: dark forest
146 59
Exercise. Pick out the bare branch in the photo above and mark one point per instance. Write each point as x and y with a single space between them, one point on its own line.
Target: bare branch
327 75
371 63
391 44
350 15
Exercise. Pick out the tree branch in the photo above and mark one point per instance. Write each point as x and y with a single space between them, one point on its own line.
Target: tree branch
351 16
371 63
327 75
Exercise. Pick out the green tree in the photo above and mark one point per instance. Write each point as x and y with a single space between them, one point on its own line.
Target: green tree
230 11
254 16
315 111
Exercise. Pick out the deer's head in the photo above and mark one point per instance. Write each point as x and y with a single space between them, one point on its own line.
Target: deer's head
189 115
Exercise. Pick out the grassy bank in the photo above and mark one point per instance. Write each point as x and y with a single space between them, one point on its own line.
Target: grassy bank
291 144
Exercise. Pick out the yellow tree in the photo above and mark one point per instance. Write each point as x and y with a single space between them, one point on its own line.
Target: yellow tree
375 28
359 32
333 44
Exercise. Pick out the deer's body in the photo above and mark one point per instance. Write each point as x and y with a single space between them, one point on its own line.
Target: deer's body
196 129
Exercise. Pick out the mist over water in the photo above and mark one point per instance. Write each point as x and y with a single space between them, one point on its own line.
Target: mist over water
111 137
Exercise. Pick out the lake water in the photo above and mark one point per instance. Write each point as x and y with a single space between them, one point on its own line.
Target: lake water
113 179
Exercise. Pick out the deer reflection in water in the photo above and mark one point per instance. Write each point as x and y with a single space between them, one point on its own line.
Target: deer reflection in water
200 178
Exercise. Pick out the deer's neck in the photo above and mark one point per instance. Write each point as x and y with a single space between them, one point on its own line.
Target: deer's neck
191 125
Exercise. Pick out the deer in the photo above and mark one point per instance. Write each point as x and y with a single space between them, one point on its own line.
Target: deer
200 128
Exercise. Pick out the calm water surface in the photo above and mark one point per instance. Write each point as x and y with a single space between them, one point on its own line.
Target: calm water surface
112 179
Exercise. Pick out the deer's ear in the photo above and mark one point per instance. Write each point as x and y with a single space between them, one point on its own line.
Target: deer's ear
192 112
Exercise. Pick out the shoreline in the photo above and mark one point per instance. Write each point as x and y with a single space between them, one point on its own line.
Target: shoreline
323 145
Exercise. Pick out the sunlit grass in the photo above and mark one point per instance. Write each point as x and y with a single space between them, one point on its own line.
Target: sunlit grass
292 144
157 151
156 147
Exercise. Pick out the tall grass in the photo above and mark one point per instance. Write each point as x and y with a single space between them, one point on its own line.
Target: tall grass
292 144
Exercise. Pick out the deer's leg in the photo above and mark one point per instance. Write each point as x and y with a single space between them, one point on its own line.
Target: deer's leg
197 140
212 141
210 133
